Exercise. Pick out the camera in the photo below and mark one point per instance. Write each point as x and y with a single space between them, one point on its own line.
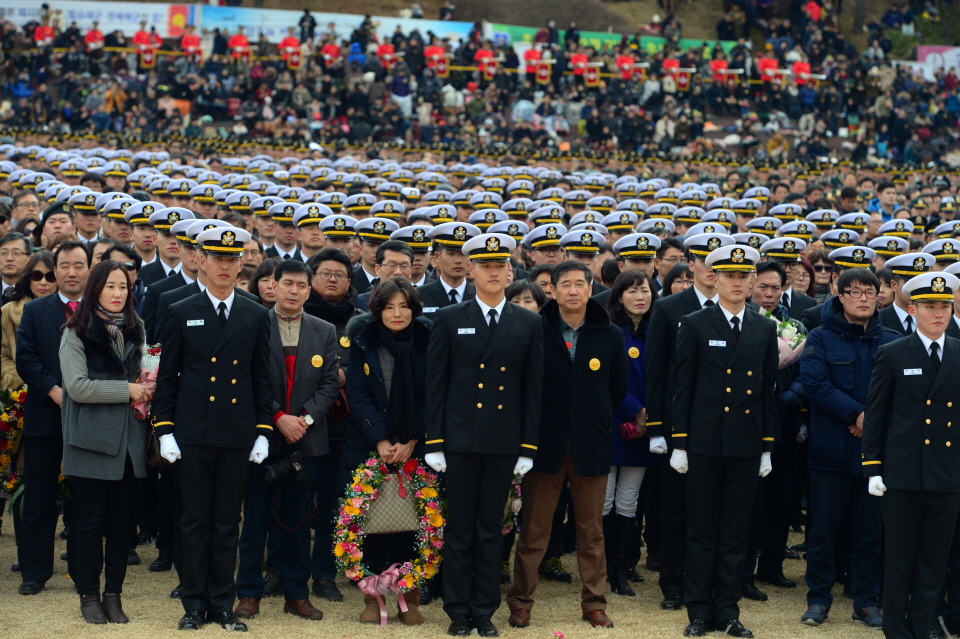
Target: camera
292 463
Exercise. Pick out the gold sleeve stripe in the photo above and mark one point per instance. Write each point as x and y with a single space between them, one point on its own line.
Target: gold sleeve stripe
162 424
679 435
434 441
870 463
528 446
654 423
767 439
265 426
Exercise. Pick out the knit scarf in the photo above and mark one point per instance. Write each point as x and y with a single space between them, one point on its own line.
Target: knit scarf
114 323
400 417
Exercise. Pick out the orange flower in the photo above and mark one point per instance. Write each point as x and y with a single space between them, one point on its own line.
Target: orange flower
351 510
436 520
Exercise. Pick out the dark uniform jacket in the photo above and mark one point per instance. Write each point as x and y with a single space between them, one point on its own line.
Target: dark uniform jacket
213 387
483 389
38 363
151 303
890 319
910 431
153 273
799 304
171 297
661 359
434 296
835 372
724 403
580 395
316 381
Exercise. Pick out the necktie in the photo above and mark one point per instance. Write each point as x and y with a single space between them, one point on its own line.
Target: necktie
453 296
73 306
708 304
222 313
785 300
735 322
172 273
935 355
286 256
492 313
909 323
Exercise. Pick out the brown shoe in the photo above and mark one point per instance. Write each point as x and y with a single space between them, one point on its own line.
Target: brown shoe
303 609
92 609
371 610
413 616
519 618
248 608
598 619
113 609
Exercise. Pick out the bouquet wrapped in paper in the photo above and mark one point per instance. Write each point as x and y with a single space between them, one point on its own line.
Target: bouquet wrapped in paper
790 338
149 365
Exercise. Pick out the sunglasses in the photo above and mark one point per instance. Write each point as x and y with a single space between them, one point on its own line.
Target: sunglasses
36 276
130 266
821 268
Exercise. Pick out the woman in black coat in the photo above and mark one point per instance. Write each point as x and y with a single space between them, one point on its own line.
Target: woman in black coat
386 381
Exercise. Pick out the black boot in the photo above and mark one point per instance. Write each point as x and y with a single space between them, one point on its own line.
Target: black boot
624 528
609 550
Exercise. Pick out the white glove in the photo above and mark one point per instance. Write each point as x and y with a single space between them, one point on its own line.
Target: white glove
766 465
436 461
168 448
658 445
876 487
260 449
678 461
524 464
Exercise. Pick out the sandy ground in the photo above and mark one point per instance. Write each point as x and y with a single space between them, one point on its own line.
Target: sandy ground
55 612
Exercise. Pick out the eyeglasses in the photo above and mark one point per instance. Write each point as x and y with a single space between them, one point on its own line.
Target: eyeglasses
27 205
674 260
857 293
393 266
12 253
329 275
36 276
821 268
791 266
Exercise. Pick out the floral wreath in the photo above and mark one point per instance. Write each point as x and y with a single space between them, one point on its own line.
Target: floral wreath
362 491
11 426
511 512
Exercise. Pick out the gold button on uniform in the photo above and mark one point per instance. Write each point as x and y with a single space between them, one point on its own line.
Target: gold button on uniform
928 402
749 392
927 421
212 398
729 372
503 369
949 404
728 390
481 366
948 444
479 405
480 385
749 373
726 409
233 401
746 412
213 359
501 388
235 362
926 441
500 407
233 381
213 379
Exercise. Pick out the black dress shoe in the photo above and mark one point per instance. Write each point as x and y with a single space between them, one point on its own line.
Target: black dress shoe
133 559
778 580
271 584
734 628
177 592
192 620
15 568
696 628
327 589
30 588
460 626
789 553
673 602
485 627
227 620
163 563
750 591
426 593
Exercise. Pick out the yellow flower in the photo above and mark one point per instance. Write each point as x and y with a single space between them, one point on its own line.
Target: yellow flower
367 488
429 492
430 570
436 520
338 550
351 510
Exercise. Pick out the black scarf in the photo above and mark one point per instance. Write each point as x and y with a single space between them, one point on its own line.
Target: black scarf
400 416
337 313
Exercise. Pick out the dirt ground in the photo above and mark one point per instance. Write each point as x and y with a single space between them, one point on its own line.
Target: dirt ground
56 612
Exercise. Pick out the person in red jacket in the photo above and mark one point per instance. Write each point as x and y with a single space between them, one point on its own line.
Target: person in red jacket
530 59
43 34
434 53
93 40
190 42
625 65
239 45
387 54
290 44
331 53
141 39
578 63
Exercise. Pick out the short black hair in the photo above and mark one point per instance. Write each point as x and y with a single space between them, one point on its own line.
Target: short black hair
519 286
292 266
772 265
849 193
14 236
127 251
70 245
885 275
609 271
386 289
539 270
563 268
857 276
669 243
883 186
331 254
396 246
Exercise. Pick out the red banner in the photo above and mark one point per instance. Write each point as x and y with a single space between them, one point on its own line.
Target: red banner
591 77
293 61
442 68
148 58
543 72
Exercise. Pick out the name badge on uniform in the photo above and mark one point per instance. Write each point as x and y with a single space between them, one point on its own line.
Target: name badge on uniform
194 322
466 331
718 342
431 309
913 371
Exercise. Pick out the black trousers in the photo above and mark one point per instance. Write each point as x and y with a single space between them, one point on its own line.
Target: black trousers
776 490
105 513
41 458
169 539
477 487
673 529
214 481
949 604
918 530
720 496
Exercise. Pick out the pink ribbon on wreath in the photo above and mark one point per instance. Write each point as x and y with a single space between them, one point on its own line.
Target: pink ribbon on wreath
383 584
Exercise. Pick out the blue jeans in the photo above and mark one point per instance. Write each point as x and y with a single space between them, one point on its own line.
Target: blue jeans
324 474
833 495
284 510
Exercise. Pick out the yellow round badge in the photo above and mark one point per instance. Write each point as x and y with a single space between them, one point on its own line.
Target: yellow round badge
345 341
634 352
594 364
366 369
317 361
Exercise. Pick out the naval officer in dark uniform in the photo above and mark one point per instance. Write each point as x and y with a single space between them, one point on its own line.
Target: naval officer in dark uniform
912 456
484 381
216 351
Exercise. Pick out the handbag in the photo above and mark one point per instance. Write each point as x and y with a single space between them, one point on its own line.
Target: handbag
154 459
630 431
395 508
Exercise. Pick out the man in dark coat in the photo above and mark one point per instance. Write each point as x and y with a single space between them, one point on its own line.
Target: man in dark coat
585 377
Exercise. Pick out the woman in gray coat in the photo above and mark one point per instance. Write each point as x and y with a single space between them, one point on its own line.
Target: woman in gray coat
104 445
